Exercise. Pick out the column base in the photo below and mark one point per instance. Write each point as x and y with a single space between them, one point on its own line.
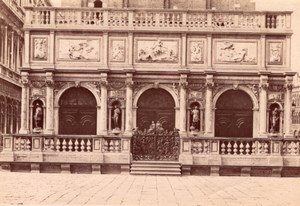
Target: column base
104 132
210 134
23 131
49 131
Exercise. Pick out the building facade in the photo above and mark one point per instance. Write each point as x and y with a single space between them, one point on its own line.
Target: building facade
11 46
118 89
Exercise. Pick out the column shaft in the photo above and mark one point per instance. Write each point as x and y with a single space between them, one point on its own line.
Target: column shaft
129 93
49 104
24 108
208 111
263 111
182 110
287 110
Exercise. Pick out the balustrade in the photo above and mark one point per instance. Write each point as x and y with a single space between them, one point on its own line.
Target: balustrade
13 5
111 145
291 147
22 143
233 146
159 19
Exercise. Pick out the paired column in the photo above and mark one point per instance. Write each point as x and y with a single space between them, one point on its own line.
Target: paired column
129 95
49 103
182 111
263 98
25 104
103 111
287 106
208 106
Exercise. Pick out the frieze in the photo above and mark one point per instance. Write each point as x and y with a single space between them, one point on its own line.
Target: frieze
275 97
116 94
196 87
289 86
276 88
116 85
38 84
137 87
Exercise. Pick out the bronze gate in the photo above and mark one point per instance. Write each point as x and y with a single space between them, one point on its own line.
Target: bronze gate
156 145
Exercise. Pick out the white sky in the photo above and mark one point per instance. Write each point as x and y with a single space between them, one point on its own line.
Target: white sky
271 5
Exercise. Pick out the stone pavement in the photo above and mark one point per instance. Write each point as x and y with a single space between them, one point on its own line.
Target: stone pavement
81 189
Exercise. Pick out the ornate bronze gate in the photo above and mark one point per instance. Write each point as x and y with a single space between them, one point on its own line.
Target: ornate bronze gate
156 144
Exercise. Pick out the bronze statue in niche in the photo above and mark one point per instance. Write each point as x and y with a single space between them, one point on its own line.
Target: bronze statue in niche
274 120
195 119
38 116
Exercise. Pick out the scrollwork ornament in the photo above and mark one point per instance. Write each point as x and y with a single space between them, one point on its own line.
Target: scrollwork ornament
103 83
25 82
183 84
129 83
289 86
49 83
264 86
210 85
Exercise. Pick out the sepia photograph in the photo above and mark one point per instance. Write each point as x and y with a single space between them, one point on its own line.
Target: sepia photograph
150 102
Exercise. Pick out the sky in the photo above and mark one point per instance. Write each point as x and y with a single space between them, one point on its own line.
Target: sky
274 5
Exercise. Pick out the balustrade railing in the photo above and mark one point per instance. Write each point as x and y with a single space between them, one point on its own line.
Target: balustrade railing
66 143
245 146
97 18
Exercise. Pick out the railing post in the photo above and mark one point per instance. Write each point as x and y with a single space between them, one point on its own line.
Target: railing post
8 143
28 16
97 145
52 17
209 19
276 147
130 19
105 18
184 19
37 143
263 21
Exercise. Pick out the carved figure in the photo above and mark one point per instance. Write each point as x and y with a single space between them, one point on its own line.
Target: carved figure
158 126
40 49
195 115
38 117
152 127
274 121
275 53
116 116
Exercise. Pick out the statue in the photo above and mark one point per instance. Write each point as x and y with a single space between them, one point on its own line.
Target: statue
116 117
159 127
274 121
195 118
152 127
38 117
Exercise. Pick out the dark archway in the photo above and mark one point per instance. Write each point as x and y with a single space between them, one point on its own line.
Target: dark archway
234 115
77 112
156 105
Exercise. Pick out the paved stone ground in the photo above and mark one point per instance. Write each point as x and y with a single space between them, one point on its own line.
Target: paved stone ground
81 189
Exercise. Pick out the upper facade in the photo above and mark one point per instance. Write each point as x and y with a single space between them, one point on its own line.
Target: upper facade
127 34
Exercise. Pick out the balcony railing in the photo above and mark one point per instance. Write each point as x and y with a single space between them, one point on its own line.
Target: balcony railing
155 19
66 143
245 146
15 7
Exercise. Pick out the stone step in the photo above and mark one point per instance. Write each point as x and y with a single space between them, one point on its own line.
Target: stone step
155 168
155 173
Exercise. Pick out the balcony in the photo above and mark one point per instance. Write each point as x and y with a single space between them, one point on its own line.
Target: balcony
15 8
157 20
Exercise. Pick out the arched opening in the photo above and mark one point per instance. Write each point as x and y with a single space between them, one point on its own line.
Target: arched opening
234 115
156 105
77 112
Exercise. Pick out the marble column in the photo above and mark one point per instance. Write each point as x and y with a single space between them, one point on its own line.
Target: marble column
129 96
5 45
25 104
287 109
182 110
12 51
49 104
263 98
102 118
208 106
26 48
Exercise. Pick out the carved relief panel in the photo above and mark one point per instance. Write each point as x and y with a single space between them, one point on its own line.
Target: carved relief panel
275 52
78 49
196 51
155 50
231 51
39 48
117 50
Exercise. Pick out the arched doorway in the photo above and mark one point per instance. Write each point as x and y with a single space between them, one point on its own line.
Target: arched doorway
77 112
234 115
156 115
156 105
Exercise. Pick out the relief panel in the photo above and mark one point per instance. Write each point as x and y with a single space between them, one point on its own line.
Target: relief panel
39 48
275 53
196 51
117 50
78 49
235 52
157 50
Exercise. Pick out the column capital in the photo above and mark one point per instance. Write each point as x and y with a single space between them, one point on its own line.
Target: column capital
264 85
289 86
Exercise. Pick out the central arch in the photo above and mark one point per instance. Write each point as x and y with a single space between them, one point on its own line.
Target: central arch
156 105
234 114
77 112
